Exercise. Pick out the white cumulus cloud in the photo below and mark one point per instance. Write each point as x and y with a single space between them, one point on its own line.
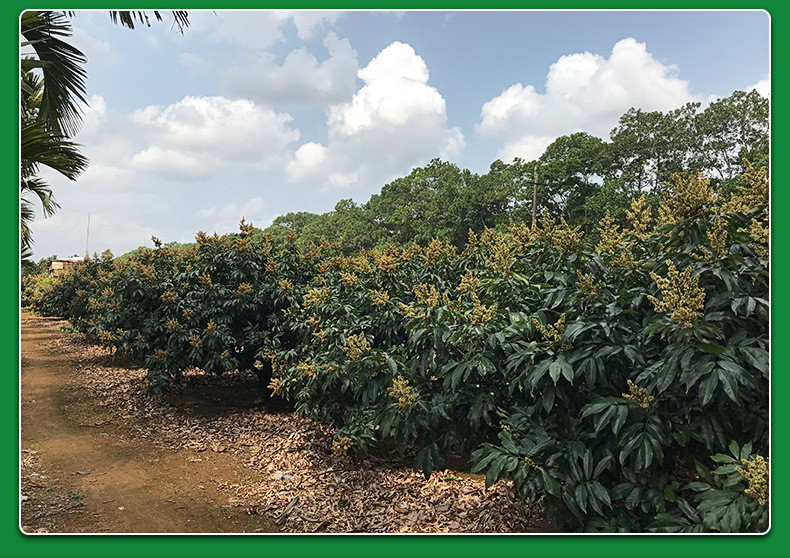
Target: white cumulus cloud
97 52
583 91
763 87
169 171
216 131
301 80
226 218
258 30
394 122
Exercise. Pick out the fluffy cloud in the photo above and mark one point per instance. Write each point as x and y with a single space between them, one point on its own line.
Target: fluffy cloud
226 218
393 123
212 132
146 168
584 91
310 23
261 29
301 80
763 87
97 52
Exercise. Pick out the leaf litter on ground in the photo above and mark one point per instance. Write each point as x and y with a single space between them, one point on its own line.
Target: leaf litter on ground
305 488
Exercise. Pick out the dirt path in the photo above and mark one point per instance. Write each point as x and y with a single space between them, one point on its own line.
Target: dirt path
82 472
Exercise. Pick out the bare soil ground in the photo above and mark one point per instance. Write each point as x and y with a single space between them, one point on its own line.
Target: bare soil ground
99 454
83 469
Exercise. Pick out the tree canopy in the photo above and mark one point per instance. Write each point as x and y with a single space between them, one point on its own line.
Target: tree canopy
579 178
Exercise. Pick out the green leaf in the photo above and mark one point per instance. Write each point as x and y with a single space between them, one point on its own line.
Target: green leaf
587 464
629 447
580 494
599 405
601 466
492 476
619 419
550 484
647 449
729 384
567 369
633 498
756 357
392 364
713 348
555 369
603 419
732 367
600 492
708 387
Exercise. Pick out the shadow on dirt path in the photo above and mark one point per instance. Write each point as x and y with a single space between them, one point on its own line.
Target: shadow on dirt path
84 472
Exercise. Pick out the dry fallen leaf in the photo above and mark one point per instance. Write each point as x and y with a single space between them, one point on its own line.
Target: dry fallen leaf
320 491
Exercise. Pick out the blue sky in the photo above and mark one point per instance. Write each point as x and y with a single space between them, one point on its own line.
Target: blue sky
255 114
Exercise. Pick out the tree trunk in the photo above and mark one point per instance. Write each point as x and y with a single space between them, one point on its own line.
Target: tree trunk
264 377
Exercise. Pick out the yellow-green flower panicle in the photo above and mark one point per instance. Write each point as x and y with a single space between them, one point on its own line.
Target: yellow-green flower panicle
314 297
638 395
610 235
757 473
378 298
276 385
285 285
552 333
403 393
348 279
341 445
682 295
586 285
308 369
469 282
168 297
434 252
427 295
685 195
409 310
480 315
243 290
640 216
356 346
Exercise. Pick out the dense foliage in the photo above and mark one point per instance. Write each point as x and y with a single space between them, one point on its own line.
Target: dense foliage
605 373
580 178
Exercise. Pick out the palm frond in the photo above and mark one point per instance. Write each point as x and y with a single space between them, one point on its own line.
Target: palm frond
129 18
61 66
41 147
26 216
42 190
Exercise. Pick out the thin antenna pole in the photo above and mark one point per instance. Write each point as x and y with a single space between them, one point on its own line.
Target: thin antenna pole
534 195
88 233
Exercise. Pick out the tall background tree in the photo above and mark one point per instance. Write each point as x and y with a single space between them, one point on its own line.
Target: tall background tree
580 178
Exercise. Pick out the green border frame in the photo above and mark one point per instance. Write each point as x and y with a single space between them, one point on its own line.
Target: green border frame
13 543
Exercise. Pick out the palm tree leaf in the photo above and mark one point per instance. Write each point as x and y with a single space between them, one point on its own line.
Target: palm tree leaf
61 66
41 147
41 189
129 18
